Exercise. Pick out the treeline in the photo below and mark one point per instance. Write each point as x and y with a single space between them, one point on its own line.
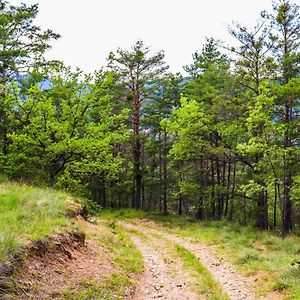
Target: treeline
222 142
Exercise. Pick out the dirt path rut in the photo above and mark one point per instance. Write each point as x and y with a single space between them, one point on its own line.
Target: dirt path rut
236 286
160 280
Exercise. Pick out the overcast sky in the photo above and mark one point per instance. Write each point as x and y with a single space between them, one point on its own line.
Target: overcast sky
90 29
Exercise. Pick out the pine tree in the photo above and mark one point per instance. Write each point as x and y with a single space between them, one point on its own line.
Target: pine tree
139 73
254 67
286 22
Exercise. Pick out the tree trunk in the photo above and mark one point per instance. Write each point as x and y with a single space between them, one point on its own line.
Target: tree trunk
228 187
165 174
219 194
137 175
52 178
275 205
233 191
287 224
137 181
180 205
160 172
180 200
103 193
244 211
199 213
3 117
262 208
223 187
213 204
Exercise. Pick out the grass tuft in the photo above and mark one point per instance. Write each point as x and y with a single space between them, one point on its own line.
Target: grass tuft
29 213
206 284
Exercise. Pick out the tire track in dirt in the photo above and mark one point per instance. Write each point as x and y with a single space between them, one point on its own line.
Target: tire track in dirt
235 285
161 279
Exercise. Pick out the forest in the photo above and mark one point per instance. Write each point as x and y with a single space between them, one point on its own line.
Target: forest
220 141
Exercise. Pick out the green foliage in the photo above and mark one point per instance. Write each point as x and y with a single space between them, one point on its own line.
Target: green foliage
67 129
209 57
21 54
189 121
28 213
138 74
221 143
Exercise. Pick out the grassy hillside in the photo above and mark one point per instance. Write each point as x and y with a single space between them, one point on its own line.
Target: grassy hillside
29 213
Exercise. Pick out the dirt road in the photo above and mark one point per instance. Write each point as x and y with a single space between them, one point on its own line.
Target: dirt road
236 286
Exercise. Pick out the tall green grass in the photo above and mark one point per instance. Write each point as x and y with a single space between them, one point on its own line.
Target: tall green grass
121 214
29 213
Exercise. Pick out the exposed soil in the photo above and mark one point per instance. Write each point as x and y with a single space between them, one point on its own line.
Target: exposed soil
64 261
163 277
61 265
233 283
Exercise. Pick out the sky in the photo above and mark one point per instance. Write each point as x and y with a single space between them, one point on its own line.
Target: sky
90 29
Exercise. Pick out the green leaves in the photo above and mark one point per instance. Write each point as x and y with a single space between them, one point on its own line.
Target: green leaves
69 126
191 125
22 44
260 118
